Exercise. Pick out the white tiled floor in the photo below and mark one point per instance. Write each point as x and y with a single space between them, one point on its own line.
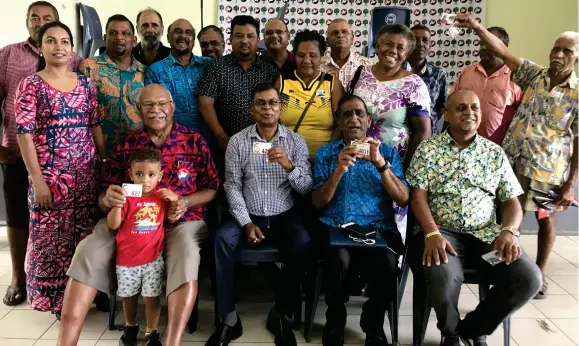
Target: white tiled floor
20 326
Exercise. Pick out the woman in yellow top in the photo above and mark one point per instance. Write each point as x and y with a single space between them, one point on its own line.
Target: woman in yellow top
297 87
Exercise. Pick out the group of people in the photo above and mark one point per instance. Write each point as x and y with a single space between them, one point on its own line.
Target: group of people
273 140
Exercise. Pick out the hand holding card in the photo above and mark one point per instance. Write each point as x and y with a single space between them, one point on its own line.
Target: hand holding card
133 190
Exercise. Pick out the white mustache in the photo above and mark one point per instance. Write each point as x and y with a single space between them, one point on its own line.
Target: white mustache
156 116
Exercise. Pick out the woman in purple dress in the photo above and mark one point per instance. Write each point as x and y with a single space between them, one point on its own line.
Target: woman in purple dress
59 133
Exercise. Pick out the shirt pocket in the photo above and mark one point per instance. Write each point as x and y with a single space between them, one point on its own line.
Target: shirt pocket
500 98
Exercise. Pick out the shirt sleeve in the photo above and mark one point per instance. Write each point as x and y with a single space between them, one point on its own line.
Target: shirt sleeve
417 173
3 71
526 74
83 68
210 177
509 186
234 183
300 178
418 100
209 85
94 117
442 94
321 168
25 106
396 166
115 173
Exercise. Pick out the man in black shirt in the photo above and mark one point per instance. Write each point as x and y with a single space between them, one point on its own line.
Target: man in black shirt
150 29
277 37
225 89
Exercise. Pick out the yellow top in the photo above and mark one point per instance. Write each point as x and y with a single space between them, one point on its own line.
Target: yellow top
318 123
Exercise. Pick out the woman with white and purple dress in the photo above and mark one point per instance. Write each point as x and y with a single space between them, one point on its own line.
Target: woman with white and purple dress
398 100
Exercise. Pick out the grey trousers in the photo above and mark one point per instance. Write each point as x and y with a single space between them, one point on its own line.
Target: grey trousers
516 284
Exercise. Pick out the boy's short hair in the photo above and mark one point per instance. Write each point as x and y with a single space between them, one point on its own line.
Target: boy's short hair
146 155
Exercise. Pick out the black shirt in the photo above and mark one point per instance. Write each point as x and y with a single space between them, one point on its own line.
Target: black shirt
162 53
225 81
288 66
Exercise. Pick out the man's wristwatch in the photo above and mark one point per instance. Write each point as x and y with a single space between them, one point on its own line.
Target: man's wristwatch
291 169
384 168
514 230
186 203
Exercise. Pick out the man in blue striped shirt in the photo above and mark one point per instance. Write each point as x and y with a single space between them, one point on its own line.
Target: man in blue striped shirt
264 165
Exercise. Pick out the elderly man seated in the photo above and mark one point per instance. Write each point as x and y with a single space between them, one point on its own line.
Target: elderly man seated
189 171
457 178
264 165
359 188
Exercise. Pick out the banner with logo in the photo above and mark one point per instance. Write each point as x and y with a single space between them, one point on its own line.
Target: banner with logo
453 54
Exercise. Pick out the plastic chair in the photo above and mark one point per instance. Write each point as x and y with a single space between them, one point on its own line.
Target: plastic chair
92 32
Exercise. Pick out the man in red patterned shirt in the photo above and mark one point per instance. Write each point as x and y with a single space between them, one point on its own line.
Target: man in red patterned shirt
189 170
17 61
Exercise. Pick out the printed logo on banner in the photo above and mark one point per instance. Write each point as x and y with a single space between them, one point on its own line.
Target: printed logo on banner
390 18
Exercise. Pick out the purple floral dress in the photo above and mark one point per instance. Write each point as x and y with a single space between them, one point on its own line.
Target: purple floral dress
390 104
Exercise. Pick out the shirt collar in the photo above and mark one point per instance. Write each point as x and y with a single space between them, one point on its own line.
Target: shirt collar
265 56
282 132
230 58
194 60
501 71
104 59
449 140
175 135
572 81
350 60
29 43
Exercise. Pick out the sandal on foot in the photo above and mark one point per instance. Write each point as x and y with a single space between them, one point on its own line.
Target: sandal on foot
57 315
544 292
14 296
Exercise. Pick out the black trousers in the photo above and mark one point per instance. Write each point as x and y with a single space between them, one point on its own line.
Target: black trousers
285 231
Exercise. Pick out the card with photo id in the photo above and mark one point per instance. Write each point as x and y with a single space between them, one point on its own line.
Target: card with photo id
133 190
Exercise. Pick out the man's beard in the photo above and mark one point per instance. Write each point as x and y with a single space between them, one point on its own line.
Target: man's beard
150 41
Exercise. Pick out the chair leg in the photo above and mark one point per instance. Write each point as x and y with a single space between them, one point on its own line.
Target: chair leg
507 331
402 284
420 311
312 298
393 311
192 323
112 311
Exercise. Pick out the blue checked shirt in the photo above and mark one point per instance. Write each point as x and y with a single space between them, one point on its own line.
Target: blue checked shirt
360 196
257 187
181 81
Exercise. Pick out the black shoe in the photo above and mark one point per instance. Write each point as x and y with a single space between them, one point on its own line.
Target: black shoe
376 339
472 342
450 341
333 336
281 329
224 334
129 337
153 339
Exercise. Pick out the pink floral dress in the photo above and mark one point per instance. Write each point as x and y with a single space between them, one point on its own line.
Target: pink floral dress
60 124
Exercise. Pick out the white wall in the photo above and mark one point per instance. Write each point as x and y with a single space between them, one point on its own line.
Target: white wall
13 14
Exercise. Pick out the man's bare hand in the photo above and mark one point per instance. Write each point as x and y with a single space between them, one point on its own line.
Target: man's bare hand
566 197
253 234
346 159
508 247
114 197
435 249
176 210
464 20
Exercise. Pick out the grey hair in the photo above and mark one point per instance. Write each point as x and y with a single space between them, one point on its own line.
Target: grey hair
572 35
141 93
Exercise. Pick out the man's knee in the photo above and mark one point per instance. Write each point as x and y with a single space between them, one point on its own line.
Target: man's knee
442 278
227 236
527 276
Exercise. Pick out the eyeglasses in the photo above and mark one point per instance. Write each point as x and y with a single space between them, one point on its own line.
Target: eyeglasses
277 32
272 103
365 241
205 44
151 104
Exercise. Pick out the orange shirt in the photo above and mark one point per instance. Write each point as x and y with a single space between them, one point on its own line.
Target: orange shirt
499 98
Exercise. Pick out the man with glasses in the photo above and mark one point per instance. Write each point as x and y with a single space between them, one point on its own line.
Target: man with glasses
265 164
211 41
180 73
355 187
276 36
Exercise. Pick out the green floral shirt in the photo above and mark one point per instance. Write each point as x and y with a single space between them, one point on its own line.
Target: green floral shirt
464 185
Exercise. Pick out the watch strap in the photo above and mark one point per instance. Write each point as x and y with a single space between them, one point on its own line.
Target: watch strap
384 168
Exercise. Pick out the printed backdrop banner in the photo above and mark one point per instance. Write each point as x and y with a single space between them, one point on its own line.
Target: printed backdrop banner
452 54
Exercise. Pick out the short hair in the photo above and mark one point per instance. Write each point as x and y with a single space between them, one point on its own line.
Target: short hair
261 87
573 35
309 36
211 28
170 28
281 20
119 18
245 20
350 97
146 155
45 4
502 34
149 9
420 27
396 29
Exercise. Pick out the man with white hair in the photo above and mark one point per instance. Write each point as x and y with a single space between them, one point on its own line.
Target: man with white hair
150 28
542 139
340 60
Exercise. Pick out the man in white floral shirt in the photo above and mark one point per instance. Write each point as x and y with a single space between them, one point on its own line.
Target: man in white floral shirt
542 139
457 180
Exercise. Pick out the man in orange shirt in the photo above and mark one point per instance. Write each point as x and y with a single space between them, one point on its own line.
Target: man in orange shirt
499 97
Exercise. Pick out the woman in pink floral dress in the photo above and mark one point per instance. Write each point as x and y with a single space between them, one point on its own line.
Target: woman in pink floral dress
57 127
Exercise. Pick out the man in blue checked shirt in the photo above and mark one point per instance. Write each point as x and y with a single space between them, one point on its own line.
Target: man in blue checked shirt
264 165
180 73
353 187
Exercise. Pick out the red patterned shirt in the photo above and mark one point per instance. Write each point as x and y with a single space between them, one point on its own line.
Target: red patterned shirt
17 61
186 163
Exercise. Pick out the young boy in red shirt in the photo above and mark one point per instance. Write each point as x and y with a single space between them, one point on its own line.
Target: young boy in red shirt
139 241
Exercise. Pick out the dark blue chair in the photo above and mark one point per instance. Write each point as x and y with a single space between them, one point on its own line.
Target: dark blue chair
92 32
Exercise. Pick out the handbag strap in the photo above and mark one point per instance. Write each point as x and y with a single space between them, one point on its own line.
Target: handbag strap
322 76
354 80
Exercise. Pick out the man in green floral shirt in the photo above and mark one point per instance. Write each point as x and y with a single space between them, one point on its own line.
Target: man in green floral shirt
457 179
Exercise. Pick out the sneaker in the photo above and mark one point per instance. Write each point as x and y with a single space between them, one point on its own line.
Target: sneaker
153 339
129 337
